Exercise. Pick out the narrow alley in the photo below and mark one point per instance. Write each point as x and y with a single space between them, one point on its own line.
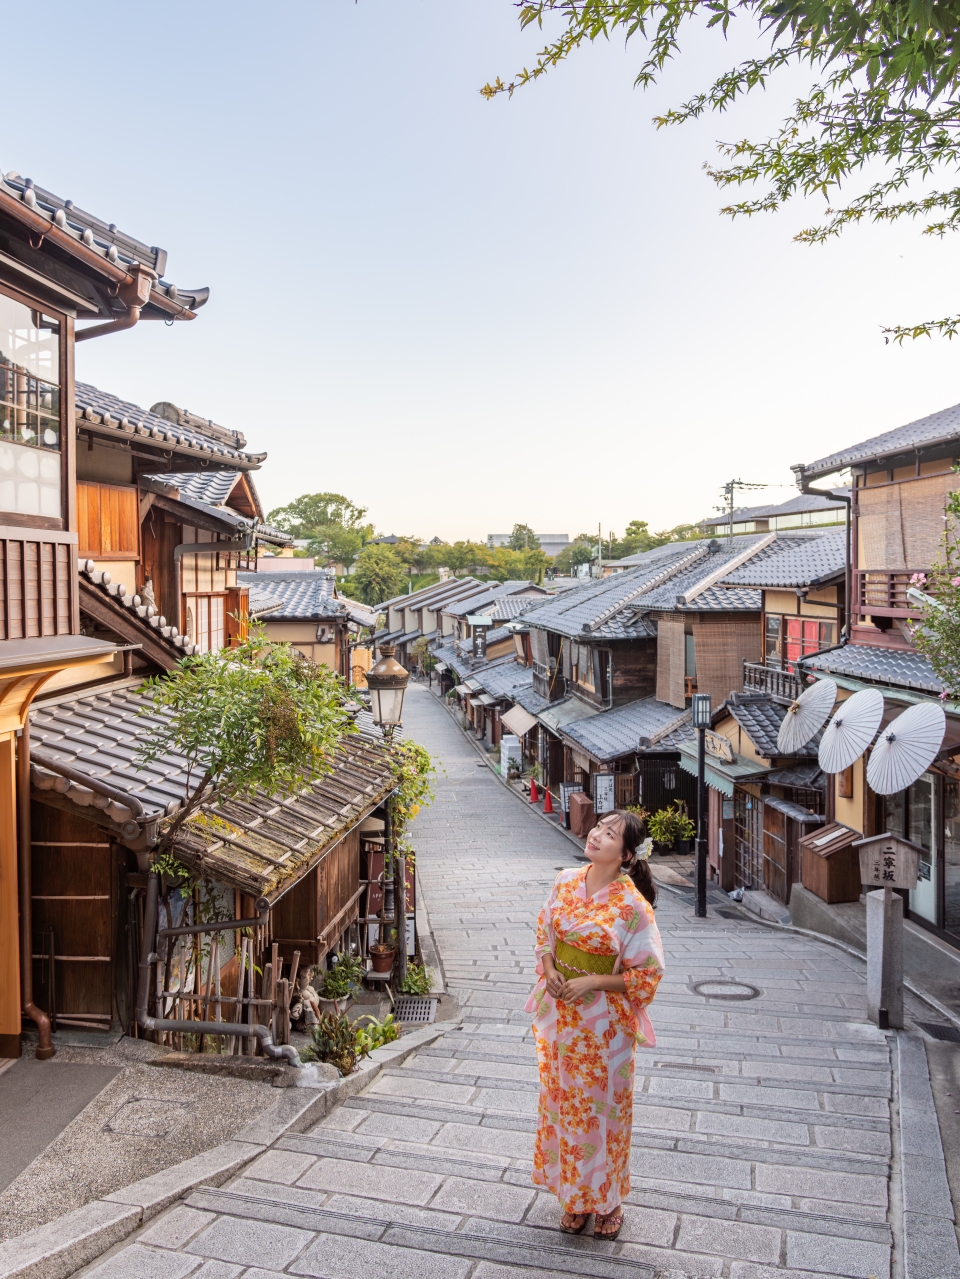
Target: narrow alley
763 1136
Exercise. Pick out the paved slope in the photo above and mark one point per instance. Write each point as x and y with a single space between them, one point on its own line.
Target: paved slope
762 1139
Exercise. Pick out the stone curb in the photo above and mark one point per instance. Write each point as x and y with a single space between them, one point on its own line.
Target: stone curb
64 1245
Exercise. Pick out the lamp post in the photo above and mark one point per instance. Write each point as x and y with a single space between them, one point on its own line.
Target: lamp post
388 682
701 712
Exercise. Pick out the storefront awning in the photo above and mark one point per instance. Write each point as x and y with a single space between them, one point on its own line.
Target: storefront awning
794 811
518 721
486 700
441 667
474 685
462 689
565 712
720 776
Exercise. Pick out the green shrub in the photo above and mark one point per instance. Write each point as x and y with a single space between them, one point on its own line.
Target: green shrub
334 1040
375 1034
417 980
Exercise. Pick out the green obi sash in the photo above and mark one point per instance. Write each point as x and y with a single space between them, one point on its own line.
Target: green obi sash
570 962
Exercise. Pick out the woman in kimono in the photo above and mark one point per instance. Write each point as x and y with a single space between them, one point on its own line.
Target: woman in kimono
599 961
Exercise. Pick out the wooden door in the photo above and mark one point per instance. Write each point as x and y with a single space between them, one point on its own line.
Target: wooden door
75 900
776 859
748 839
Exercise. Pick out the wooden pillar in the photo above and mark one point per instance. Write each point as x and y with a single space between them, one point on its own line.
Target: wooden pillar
9 913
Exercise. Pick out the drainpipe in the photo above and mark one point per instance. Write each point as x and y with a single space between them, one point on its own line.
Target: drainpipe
134 294
848 567
148 957
45 1049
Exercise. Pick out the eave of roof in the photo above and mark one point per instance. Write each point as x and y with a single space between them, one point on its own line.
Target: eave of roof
108 415
927 432
97 245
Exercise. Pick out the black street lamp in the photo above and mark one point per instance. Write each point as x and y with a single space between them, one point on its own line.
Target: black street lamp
701 713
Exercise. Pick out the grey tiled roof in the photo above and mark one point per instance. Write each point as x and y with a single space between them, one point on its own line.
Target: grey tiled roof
795 506
936 428
260 603
428 592
303 597
809 775
99 735
533 703
508 607
876 665
803 563
103 239
614 733
760 718
502 679
190 491
478 601
127 420
135 611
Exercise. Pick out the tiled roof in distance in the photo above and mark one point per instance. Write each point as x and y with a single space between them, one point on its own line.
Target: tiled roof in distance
614 733
803 563
305 597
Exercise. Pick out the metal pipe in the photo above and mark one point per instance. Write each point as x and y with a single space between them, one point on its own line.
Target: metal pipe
700 909
93 783
45 1049
148 957
848 567
125 321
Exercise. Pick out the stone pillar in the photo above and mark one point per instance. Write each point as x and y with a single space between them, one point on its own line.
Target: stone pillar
885 956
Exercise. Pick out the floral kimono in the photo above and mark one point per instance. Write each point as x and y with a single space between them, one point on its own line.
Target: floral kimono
586 1050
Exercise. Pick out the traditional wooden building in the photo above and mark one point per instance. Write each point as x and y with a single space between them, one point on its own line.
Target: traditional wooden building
900 483
59 267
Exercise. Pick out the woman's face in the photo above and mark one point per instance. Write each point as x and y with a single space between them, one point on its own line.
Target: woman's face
605 843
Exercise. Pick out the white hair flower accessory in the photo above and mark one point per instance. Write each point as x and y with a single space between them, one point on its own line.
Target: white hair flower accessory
645 849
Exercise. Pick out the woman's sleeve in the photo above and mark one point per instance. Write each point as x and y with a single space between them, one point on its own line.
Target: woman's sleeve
641 959
545 941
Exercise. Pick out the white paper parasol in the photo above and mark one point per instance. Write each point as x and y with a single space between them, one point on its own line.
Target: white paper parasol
906 748
851 730
806 716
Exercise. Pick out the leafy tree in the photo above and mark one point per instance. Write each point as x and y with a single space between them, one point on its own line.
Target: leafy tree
884 98
378 574
523 538
580 551
465 557
264 718
518 566
332 524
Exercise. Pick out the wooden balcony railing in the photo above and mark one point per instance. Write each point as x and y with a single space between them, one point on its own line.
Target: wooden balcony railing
883 593
780 685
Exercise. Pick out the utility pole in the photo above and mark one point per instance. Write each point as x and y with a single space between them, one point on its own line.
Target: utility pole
729 496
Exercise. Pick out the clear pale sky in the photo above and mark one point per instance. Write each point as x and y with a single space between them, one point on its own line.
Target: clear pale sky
464 314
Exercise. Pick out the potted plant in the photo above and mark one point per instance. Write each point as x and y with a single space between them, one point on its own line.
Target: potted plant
334 990
672 827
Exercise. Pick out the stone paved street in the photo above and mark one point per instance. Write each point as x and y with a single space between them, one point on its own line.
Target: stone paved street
762 1144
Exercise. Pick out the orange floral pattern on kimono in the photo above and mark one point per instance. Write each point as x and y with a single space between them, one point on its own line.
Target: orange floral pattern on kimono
586 1051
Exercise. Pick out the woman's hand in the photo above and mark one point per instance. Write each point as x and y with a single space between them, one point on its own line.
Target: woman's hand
574 990
554 982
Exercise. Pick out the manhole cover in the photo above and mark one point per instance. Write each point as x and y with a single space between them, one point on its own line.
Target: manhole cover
147 1117
417 1008
725 988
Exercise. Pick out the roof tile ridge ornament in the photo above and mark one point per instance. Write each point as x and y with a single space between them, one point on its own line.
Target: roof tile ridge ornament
686 562
717 575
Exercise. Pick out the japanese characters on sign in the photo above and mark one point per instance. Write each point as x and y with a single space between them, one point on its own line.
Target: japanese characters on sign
888 862
719 747
566 790
604 792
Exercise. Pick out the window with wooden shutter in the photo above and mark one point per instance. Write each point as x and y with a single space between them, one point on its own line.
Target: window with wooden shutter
108 521
671 652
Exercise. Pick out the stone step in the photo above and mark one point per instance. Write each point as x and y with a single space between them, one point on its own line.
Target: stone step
522 1247
762 1151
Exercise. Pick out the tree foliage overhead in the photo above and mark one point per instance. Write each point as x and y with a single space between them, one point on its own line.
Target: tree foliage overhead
886 78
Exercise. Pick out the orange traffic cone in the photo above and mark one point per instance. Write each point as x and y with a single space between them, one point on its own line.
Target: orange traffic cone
534 797
547 802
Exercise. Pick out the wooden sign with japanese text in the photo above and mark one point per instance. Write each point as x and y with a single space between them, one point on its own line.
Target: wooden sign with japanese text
887 861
